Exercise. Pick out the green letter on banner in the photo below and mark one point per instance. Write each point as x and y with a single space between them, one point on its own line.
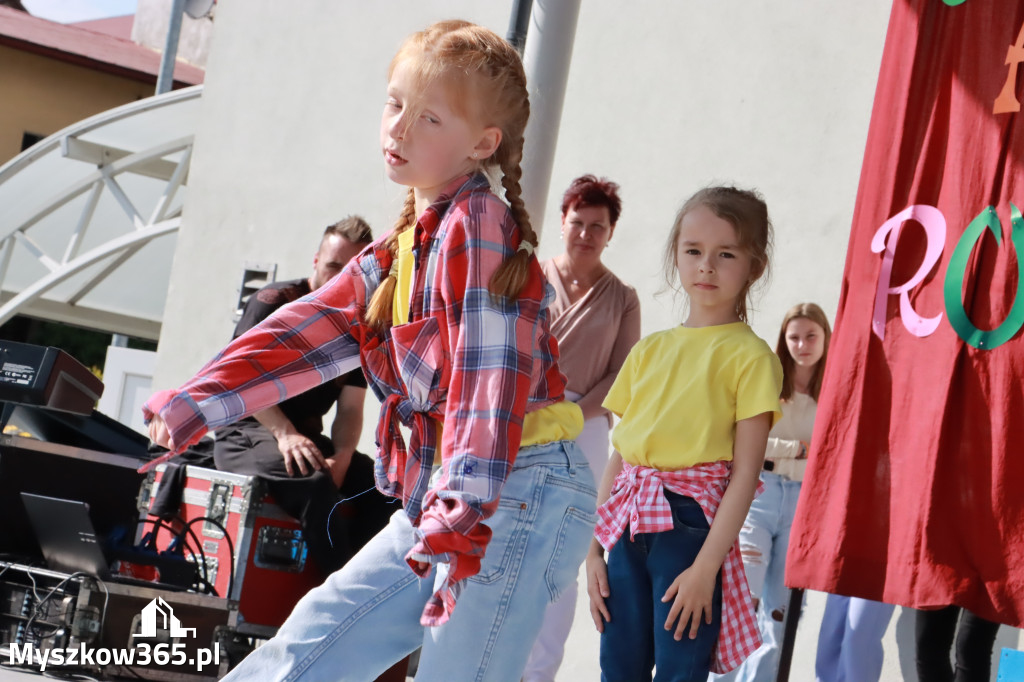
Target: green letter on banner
957 269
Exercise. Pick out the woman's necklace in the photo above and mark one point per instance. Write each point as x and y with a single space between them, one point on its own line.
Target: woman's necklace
572 278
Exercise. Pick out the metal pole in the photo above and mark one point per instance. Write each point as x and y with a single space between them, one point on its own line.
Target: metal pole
518 24
796 601
165 81
547 57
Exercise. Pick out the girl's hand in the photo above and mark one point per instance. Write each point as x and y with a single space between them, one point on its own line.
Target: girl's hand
418 563
691 594
597 588
159 434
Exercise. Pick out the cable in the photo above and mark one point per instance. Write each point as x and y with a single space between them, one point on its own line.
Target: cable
31 625
231 550
32 578
40 602
201 580
106 602
330 514
160 524
199 545
179 535
187 527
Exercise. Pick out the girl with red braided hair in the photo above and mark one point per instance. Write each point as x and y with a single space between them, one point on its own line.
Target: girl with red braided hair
448 315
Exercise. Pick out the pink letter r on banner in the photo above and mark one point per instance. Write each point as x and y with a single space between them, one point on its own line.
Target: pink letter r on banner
934 224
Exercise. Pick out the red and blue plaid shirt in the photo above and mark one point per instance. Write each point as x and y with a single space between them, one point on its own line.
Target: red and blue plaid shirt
466 358
638 502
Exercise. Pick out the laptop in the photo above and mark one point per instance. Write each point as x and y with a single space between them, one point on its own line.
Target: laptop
69 542
66 535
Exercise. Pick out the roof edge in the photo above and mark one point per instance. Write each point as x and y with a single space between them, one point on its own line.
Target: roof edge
75 45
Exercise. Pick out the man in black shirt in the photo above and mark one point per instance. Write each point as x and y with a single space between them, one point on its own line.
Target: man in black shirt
307 472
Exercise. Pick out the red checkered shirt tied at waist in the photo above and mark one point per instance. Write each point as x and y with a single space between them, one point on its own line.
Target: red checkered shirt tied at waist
638 502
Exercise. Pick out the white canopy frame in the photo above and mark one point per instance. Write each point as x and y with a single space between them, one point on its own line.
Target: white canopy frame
116 190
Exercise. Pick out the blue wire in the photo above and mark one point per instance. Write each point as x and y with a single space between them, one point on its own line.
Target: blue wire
390 500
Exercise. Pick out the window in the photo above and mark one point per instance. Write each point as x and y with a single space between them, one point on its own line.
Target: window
255 276
28 139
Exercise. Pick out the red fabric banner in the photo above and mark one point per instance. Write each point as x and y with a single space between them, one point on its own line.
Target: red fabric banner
914 492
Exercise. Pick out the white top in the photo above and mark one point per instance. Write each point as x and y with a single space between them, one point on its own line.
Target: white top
797 424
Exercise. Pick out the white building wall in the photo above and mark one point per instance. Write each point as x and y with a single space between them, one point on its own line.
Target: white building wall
663 97
668 97
152 19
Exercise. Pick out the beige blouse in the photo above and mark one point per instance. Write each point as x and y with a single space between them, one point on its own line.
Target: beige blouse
797 424
595 333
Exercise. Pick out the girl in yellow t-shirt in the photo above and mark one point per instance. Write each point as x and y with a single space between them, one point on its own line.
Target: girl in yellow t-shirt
696 403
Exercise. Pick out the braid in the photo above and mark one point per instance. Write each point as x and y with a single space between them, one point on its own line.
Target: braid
511 276
378 313
511 173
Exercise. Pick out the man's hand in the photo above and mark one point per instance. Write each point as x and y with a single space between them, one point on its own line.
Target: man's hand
691 594
298 451
302 453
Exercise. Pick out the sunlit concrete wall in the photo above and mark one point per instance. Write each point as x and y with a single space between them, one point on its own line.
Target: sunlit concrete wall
152 19
663 96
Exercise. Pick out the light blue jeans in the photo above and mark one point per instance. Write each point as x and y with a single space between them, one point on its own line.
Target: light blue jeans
549 648
365 617
766 532
850 640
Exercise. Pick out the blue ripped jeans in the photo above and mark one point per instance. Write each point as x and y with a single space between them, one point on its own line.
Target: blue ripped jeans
365 617
765 534
635 640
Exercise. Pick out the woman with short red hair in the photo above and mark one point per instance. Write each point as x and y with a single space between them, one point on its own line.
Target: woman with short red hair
596 319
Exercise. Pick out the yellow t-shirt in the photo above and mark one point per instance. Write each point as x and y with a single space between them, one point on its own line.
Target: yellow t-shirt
403 286
681 392
561 421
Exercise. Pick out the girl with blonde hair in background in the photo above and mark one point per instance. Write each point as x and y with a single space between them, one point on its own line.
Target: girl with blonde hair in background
802 348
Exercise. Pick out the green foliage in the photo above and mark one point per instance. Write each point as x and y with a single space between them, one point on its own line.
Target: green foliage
88 346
